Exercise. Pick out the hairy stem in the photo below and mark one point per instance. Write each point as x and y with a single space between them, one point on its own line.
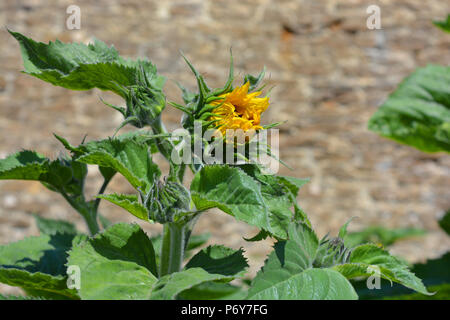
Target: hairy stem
172 249
181 172
91 222
90 216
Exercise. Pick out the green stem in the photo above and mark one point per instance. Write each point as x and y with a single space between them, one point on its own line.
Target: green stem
90 216
181 172
175 236
91 222
165 146
172 249
102 189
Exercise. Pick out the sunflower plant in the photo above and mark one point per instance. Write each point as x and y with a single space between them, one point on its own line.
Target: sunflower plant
120 261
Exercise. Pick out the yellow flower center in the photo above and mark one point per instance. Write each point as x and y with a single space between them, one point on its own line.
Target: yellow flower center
239 109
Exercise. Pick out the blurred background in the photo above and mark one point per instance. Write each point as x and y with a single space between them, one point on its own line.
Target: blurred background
330 74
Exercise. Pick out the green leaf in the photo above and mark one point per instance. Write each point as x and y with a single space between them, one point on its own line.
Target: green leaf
444 222
294 184
29 165
129 202
265 204
232 191
53 226
311 284
288 273
107 173
38 283
24 165
37 264
221 260
280 194
367 258
442 293
129 160
118 263
417 113
444 25
45 253
78 66
64 175
379 234
127 156
213 291
144 136
115 280
122 241
169 286
433 273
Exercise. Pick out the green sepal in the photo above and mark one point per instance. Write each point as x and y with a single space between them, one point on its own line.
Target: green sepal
254 81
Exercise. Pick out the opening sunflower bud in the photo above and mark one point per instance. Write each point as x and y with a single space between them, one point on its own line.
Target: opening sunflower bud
239 109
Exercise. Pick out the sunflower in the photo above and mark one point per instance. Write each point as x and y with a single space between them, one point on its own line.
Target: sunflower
239 109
